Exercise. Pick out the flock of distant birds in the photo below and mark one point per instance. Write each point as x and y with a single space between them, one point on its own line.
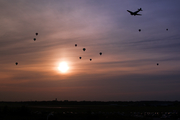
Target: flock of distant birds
84 49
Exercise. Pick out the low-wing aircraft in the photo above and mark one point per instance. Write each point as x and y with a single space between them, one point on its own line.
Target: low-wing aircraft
135 13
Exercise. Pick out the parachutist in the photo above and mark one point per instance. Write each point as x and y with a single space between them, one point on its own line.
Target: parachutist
84 49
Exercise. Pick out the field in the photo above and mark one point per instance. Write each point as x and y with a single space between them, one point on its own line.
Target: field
89 110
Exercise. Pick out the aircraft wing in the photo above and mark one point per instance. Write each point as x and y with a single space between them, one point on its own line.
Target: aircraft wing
130 12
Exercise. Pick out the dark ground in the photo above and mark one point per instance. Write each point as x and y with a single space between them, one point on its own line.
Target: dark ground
90 110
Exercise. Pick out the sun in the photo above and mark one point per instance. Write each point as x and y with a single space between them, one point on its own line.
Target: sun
63 67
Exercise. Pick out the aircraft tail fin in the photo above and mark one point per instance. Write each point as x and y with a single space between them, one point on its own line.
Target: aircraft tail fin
140 9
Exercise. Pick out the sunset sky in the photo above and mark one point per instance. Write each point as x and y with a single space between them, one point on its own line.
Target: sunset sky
126 70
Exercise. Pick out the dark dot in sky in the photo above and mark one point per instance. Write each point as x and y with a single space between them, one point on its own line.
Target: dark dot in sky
100 53
139 30
167 29
90 59
75 45
16 63
36 33
34 39
80 57
157 63
84 49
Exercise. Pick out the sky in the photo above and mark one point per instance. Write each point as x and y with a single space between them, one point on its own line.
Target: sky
127 69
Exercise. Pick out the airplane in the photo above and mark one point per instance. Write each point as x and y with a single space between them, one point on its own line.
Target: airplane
135 13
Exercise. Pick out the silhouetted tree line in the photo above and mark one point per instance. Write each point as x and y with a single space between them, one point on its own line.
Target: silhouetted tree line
66 102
